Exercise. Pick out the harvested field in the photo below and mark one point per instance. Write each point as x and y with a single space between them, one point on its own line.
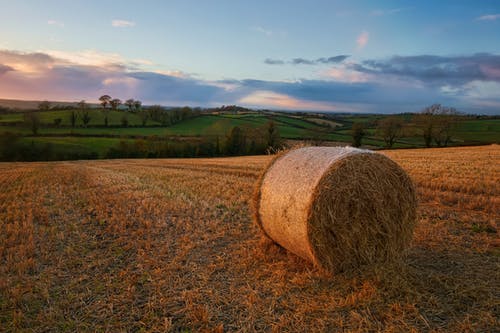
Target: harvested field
169 245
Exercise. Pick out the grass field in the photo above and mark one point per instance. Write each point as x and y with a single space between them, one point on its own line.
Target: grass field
315 128
169 245
204 125
96 118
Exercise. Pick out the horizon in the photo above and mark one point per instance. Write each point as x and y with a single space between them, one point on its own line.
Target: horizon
346 57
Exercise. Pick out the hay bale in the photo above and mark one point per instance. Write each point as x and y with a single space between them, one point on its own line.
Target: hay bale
337 207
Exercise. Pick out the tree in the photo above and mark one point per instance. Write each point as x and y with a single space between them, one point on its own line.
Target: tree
129 103
115 103
436 122
83 107
85 118
32 120
137 105
390 128
357 132
44 106
73 116
144 117
157 113
235 144
105 99
443 129
273 138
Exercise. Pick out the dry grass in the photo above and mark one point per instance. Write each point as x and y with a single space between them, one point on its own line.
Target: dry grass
168 245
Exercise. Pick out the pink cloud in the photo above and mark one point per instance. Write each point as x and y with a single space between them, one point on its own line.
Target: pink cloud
270 99
122 24
343 74
362 39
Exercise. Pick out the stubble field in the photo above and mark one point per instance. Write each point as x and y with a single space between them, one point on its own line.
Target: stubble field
169 245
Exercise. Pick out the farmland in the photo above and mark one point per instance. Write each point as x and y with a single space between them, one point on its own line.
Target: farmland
106 128
169 245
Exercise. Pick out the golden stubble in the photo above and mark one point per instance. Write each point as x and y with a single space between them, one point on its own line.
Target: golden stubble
169 245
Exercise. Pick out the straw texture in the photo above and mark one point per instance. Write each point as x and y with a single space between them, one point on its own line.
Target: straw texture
337 207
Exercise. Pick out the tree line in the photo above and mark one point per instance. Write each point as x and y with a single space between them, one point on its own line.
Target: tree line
80 114
434 124
238 141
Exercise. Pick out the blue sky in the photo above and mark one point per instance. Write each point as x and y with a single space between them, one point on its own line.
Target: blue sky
356 56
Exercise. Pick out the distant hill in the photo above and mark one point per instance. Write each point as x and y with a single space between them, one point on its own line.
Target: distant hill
16 104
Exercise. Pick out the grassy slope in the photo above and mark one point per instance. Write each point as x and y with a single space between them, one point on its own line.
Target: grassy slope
203 125
468 132
168 245
96 118
479 130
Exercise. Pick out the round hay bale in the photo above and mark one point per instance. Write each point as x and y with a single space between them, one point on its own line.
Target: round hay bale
337 207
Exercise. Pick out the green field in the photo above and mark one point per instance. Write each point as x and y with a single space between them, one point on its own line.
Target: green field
96 118
97 139
199 126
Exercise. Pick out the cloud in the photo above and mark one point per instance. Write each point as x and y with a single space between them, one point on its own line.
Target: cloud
270 61
66 76
397 84
268 32
346 74
55 23
162 88
262 30
362 39
337 96
440 70
92 58
333 60
270 99
28 63
122 24
303 61
491 17
4 69
383 12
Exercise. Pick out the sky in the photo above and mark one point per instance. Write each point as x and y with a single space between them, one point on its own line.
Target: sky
341 56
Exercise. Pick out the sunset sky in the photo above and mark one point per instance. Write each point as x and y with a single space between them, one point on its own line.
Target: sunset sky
345 56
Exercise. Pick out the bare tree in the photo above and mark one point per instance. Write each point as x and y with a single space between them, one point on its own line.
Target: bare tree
436 123
390 128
